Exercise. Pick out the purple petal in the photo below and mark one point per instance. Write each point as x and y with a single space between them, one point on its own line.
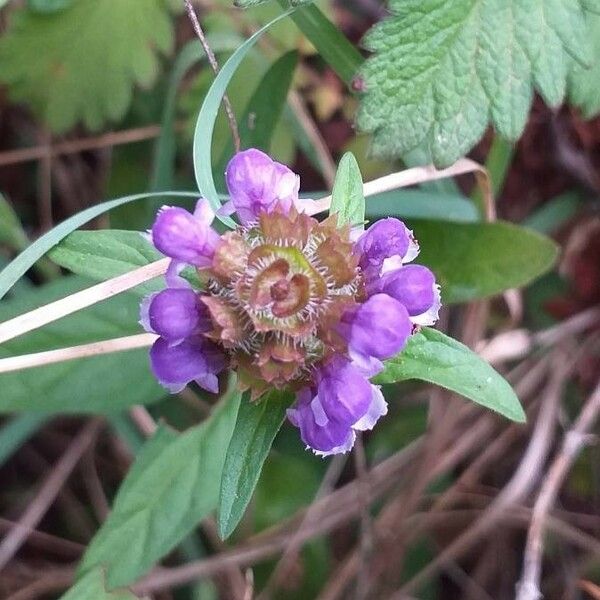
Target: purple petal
177 313
180 235
377 409
413 286
387 239
323 439
379 328
431 315
256 184
176 366
343 391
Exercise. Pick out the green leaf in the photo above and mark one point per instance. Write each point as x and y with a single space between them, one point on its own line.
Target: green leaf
255 429
436 358
584 84
205 123
164 151
347 198
11 231
333 46
17 431
22 263
107 253
82 385
264 109
173 485
442 70
478 260
422 204
92 587
48 6
81 64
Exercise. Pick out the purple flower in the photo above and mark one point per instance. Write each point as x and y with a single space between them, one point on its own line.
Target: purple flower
342 403
257 183
175 314
194 359
384 246
185 237
290 301
375 330
415 287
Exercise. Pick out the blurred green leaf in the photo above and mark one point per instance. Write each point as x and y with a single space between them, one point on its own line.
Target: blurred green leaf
436 358
333 46
205 123
48 6
255 429
347 198
164 152
264 109
22 263
554 213
92 587
584 84
11 230
17 431
107 253
173 485
82 385
81 64
421 204
477 260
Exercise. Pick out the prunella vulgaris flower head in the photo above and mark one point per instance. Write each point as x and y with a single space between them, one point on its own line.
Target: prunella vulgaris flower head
289 302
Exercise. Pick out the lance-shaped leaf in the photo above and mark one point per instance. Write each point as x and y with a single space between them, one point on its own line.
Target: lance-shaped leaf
347 198
436 358
255 429
173 485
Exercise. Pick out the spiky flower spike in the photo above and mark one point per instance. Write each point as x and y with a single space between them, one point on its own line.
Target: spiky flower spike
289 302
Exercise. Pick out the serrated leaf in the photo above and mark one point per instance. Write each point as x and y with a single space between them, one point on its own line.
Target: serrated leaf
255 429
82 385
81 64
173 486
441 71
92 587
477 260
436 358
584 84
347 197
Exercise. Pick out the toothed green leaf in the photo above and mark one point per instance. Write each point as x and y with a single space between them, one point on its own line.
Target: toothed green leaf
81 63
442 70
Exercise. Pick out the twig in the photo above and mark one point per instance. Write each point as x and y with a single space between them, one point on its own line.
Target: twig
48 492
105 140
61 308
366 525
296 103
53 581
574 440
46 541
143 420
282 568
520 483
38 359
233 126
